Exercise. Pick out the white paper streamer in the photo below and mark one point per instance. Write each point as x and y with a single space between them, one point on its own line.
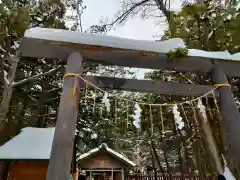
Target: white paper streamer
202 109
106 102
94 136
136 116
177 117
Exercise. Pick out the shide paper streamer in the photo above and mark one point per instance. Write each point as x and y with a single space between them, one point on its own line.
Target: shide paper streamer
137 116
202 109
106 102
137 113
177 117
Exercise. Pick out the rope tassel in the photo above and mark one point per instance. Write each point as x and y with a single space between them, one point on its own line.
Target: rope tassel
75 86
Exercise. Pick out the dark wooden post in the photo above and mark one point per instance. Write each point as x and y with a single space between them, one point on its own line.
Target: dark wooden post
229 112
62 147
3 170
74 157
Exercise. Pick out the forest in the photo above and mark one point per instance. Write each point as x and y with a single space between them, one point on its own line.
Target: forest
31 88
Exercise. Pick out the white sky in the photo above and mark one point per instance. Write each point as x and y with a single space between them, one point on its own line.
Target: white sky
134 28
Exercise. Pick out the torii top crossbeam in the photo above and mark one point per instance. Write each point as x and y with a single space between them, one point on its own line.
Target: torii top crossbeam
58 44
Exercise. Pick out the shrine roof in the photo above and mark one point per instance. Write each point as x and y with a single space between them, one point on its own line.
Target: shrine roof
30 144
104 148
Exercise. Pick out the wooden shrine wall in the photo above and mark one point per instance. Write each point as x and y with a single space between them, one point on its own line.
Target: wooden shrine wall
99 161
28 171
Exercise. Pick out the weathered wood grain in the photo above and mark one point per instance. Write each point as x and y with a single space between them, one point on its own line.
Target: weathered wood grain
37 48
229 111
62 147
149 86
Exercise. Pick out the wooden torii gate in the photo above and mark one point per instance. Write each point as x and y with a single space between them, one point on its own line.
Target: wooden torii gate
77 47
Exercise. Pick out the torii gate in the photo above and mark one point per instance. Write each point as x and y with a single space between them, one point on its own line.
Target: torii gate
77 47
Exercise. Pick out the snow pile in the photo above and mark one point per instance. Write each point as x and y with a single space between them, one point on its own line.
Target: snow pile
225 55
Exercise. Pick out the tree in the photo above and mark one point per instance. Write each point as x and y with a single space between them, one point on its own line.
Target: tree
211 28
16 17
31 98
207 27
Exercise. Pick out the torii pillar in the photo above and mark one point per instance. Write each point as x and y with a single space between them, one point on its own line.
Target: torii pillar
63 141
229 111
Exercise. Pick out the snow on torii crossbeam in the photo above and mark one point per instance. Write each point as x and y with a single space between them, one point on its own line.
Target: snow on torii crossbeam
107 50
58 44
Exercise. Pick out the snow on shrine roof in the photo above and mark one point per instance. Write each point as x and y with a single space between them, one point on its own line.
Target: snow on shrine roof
73 37
30 144
109 150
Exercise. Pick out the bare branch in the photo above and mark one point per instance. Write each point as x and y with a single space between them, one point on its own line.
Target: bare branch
6 82
162 6
124 15
146 4
12 71
35 77
3 50
44 19
186 78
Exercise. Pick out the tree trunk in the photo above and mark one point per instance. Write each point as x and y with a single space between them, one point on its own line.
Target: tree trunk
10 84
4 107
166 161
160 129
15 121
156 157
198 145
153 165
7 93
